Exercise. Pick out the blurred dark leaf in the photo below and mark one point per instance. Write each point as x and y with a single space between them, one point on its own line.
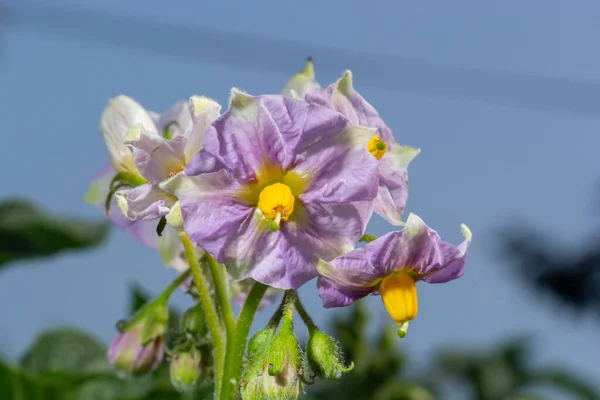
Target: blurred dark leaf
65 350
505 373
570 275
27 232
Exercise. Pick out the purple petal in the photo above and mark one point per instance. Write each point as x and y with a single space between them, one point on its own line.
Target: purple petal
146 202
178 119
201 163
156 157
331 296
143 231
419 249
338 170
246 138
212 207
341 96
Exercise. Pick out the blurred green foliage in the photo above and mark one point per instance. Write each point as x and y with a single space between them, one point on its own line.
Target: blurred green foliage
27 232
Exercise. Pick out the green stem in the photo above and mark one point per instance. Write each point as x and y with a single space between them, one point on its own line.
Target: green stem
236 343
210 312
222 296
174 285
308 321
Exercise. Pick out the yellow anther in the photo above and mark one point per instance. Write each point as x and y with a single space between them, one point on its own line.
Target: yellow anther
175 171
276 202
377 147
399 295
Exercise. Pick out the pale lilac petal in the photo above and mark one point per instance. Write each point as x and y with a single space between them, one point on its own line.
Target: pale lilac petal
143 231
201 163
319 232
212 207
176 120
331 296
342 97
393 182
120 115
253 251
203 112
245 139
338 171
144 202
156 157
419 249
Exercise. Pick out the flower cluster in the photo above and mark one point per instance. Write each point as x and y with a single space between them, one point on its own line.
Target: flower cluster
279 189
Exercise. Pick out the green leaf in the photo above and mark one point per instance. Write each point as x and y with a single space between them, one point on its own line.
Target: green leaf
65 350
27 232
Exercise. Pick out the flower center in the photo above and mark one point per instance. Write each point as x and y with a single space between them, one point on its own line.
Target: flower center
276 202
399 295
175 171
377 147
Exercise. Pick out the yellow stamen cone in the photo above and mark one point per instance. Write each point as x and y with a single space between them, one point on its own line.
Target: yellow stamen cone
399 295
377 147
276 202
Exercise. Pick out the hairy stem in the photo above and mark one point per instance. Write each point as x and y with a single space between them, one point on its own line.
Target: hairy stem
210 311
222 295
236 343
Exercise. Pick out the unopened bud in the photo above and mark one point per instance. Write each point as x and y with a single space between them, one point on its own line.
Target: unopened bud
139 347
185 370
325 356
193 320
130 357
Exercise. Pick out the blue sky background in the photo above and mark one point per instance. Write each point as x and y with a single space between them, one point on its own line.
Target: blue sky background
501 97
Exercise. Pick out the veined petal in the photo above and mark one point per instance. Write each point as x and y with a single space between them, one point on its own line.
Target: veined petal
331 296
302 82
204 112
253 251
211 206
420 250
121 114
319 232
351 271
175 121
144 202
342 97
143 231
201 163
156 157
245 139
393 183
337 169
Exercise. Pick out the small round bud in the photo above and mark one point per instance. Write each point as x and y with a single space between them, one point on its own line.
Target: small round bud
185 370
325 357
193 320
130 357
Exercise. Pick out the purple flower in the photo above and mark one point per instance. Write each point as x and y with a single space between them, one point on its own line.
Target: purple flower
393 158
168 245
279 184
391 265
159 157
124 119
130 357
